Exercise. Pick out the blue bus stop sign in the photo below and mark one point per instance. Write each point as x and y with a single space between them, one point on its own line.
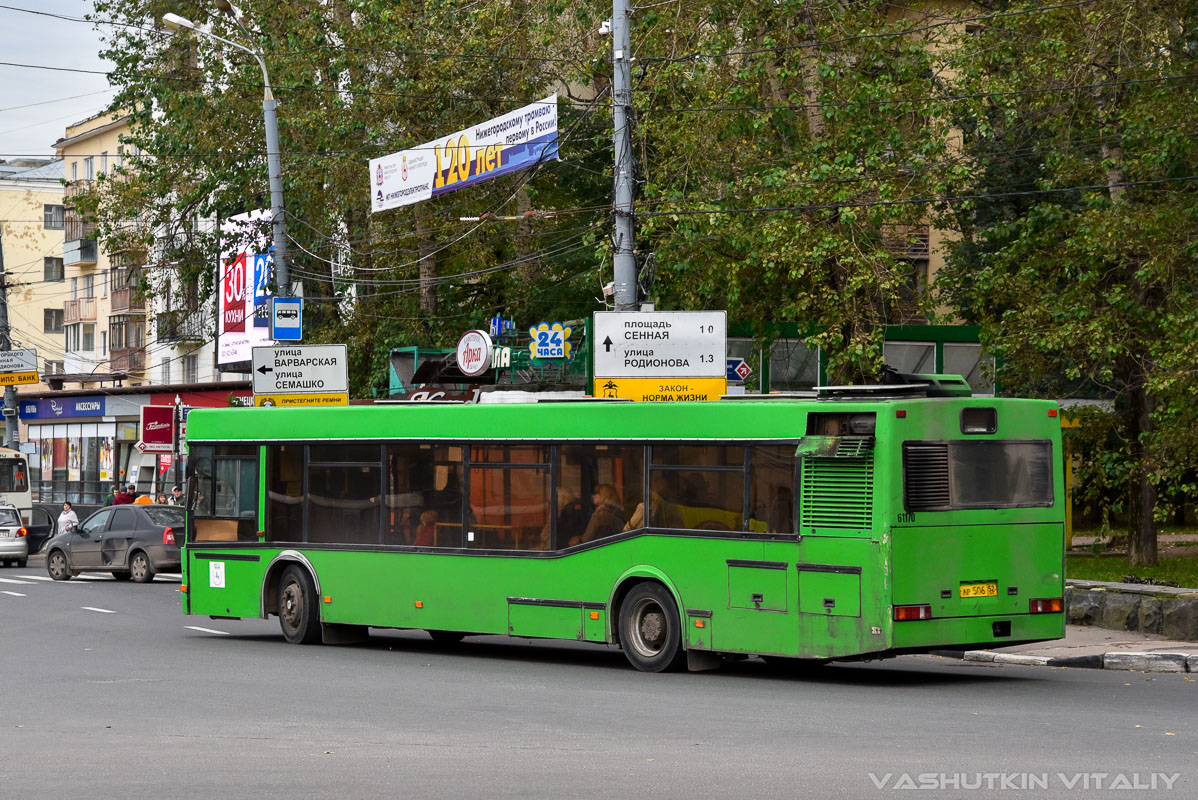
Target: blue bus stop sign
286 319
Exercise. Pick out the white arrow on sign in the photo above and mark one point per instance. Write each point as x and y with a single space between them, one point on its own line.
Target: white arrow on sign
302 369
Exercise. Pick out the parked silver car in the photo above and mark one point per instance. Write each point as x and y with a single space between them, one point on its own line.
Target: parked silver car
130 541
14 547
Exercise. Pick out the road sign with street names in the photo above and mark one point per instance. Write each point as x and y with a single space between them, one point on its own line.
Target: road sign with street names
18 367
660 344
315 369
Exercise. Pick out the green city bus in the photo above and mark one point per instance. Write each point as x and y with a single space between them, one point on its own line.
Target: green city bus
849 525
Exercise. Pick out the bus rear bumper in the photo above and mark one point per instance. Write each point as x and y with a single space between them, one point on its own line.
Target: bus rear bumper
976 632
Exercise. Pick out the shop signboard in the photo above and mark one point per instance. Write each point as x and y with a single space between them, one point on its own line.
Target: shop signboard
157 429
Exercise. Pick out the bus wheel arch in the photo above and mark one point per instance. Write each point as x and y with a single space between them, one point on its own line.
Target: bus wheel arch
272 579
649 590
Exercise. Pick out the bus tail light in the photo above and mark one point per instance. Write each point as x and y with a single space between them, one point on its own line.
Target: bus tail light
905 613
1046 605
168 536
22 532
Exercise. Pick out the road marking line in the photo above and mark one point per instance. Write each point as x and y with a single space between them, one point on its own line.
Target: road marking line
15 594
101 610
14 580
39 577
205 630
95 577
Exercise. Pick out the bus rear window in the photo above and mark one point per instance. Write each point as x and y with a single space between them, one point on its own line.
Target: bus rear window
13 477
939 476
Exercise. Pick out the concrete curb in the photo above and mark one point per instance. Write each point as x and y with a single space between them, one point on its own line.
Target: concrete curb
1119 660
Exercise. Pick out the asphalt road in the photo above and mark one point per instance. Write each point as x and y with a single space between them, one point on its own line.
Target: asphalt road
107 693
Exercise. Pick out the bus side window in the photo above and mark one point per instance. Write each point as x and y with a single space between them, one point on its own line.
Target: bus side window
598 486
509 497
696 486
771 489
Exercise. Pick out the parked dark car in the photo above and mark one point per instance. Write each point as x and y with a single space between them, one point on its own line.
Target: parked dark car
131 541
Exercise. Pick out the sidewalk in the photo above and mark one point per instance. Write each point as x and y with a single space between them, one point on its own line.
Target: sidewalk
1095 648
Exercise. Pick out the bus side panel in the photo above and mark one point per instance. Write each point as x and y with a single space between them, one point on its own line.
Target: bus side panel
224 585
842 598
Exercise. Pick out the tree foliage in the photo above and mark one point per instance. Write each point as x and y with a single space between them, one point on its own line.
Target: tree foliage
784 153
1086 291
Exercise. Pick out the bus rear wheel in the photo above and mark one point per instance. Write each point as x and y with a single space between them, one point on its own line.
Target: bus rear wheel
650 629
299 616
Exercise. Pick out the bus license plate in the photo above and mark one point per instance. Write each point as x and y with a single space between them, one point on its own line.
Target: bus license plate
979 590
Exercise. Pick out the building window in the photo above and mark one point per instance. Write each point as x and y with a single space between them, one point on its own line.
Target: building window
89 287
104 278
74 170
164 371
54 217
72 338
52 269
89 169
191 369
103 162
52 367
52 320
74 288
87 337
103 342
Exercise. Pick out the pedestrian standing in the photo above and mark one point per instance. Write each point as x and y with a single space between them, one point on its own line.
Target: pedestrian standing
67 519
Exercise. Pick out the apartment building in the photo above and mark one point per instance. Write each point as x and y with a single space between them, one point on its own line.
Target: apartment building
130 336
31 238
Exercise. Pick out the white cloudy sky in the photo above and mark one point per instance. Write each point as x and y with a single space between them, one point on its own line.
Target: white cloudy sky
45 41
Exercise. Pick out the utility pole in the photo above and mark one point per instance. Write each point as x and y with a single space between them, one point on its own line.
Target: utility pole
274 164
10 392
624 249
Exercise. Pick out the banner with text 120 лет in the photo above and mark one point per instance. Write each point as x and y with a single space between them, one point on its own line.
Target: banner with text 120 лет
517 140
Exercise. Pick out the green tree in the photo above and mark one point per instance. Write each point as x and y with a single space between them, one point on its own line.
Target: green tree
356 79
1085 288
785 149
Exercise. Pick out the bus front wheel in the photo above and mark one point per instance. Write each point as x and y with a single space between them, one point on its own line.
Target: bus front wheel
299 616
650 629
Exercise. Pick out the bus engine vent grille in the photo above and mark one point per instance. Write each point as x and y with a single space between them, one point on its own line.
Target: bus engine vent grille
837 493
925 475
854 446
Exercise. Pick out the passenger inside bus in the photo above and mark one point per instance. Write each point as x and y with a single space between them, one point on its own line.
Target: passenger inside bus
608 517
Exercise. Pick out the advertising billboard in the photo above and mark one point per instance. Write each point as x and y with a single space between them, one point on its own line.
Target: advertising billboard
517 140
244 277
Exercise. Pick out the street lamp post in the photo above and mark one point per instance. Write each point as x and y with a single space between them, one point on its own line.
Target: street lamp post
273 162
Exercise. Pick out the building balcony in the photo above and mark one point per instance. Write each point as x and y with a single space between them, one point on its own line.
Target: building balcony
131 359
82 363
127 301
79 253
179 326
82 310
908 241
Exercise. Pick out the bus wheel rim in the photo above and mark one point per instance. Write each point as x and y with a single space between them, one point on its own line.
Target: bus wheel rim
649 627
293 606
